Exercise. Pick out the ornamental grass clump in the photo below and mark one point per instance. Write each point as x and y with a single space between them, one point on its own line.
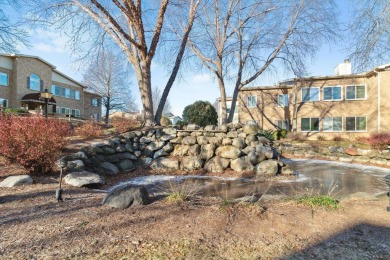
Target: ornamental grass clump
33 142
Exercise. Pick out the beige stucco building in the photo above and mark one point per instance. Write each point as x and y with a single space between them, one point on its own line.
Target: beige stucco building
345 104
24 77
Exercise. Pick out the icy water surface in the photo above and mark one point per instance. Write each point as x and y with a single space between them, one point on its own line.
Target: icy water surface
313 177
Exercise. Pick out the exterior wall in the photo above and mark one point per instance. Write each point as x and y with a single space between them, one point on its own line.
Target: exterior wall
68 102
92 110
228 106
5 91
266 113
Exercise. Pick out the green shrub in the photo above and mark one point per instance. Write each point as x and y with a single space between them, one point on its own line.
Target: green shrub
15 111
318 201
321 138
269 134
33 142
181 123
279 134
201 113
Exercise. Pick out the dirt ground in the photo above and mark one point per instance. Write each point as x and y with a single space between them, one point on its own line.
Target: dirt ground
34 226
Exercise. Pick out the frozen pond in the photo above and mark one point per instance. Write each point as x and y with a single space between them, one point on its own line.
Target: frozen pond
313 177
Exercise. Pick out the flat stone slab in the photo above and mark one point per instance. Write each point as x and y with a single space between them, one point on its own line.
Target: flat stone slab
84 179
17 180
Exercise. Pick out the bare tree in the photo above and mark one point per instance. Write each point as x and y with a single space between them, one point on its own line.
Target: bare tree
157 95
107 77
11 32
135 26
239 40
369 33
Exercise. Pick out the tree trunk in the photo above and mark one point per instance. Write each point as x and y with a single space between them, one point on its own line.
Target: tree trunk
145 88
223 100
107 109
233 105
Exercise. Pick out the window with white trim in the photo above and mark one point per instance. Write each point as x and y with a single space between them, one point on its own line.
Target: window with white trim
283 124
252 101
310 124
332 124
332 93
4 79
3 102
354 124
283 100
355 92
34 82
310 94
95 102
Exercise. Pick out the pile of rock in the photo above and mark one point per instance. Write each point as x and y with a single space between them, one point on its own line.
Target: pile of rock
236 147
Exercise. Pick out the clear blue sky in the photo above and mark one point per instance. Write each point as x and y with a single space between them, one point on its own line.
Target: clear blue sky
51 47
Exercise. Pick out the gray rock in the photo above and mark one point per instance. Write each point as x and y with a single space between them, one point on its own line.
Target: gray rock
129 135
84 179
75 166
255 157
114 158
196 134
183 134
223 128
160 153
192 127
248 149
156 145
126 196
207 151
126 165
228 151
263 140
215 140
250 129
332 149
165 138
159 134
226 141
108 150
170 131
180 150
147 160
361 159
232 134
147 153
220 135
241 165
120 149
242 135
189 140
209 134
78 156
168 147
147 140
194 150
91 150
267 168
287 170
217 164
137 153
239 142
202 140
250 138
16 180
165 164
176 140
110 168
129 148
138 134
127 156
191 163
209 127
246 199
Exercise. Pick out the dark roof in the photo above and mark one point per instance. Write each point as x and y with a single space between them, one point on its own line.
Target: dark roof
36 98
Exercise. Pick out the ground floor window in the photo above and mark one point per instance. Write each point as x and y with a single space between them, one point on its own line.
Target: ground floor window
3 102
356 123
283 124
310 124
95 117
68 111
332 124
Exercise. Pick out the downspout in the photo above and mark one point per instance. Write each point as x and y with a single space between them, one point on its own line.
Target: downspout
379 99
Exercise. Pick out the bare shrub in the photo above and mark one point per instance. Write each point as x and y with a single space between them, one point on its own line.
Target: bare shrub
379 141
90 129
122 124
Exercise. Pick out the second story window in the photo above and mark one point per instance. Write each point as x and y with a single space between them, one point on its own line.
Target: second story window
3 79
355 92
332 93
34 82
95 102
283 100
310 94
252 101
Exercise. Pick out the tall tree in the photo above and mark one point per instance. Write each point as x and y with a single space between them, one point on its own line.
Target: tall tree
11 31
108 77
135 26
239 40
369 33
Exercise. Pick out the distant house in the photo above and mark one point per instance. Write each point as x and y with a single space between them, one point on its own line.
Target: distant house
344 104
174 119
24 77
218 107
128 115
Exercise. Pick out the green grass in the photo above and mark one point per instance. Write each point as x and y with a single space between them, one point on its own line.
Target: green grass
318 201
176 197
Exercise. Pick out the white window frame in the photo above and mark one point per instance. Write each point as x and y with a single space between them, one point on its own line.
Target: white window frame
93 103
319 94
287 123
283 95
365 92
247 101
77 95
332 131
311 131
329 100
6 102
6 75
355 124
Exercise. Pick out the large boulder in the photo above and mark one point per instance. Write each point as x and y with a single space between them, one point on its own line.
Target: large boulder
189 140
126 165
191 163
165 138
241 165
75 166
250 138
239 142
170 131
165 164
217 164
168 147
202 140
267 168
17 180
156 145
215 140
160 153
251 129
126 196
255 157
207 151
228 151
109 168
84 179
192 127
226 141
181 150
194 150
108 150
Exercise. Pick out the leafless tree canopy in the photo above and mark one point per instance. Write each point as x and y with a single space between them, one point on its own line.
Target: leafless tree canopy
11 32
108 77
239 40
369 33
